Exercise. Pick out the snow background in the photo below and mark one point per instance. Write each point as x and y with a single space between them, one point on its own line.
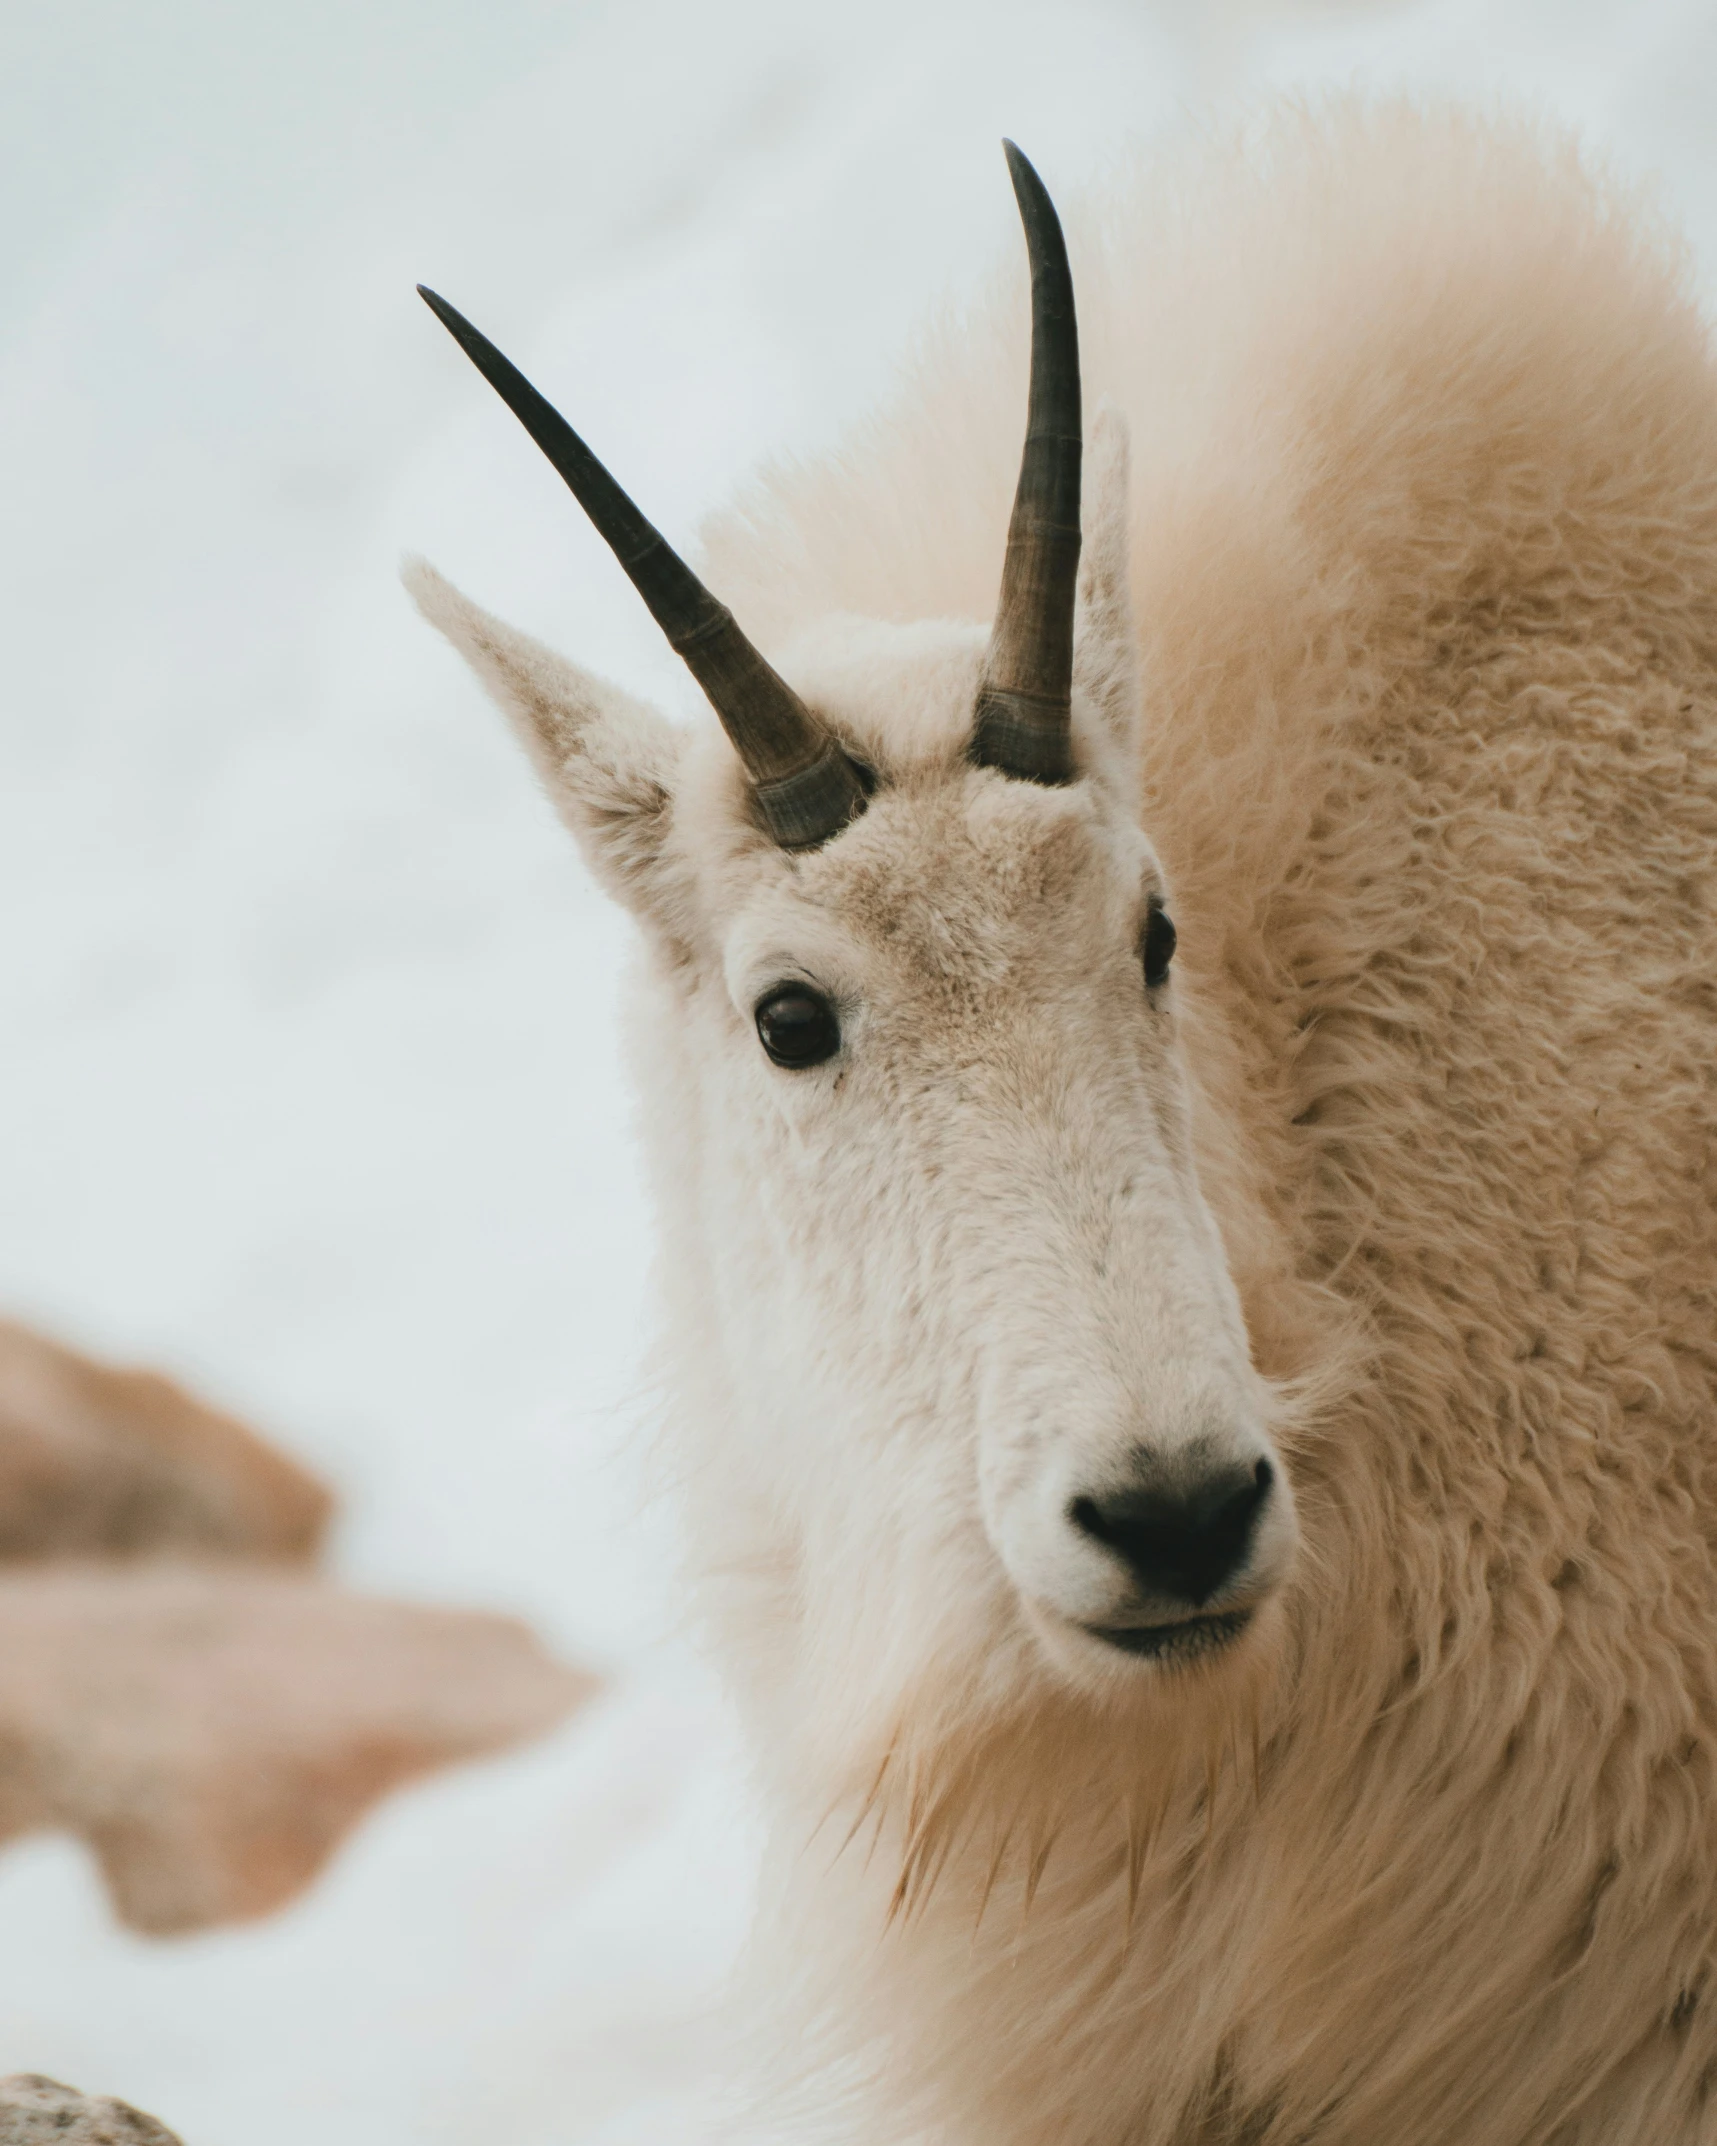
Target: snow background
308 1080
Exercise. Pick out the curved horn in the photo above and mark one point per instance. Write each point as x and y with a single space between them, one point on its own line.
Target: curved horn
805 787
1024 720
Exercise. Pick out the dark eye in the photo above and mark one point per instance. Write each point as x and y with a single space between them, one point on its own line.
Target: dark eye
797 1026
1156 949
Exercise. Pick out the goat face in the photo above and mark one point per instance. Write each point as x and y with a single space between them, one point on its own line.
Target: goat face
940 1267
971 1309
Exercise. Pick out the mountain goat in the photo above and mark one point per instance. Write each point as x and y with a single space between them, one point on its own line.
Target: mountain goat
1204 1470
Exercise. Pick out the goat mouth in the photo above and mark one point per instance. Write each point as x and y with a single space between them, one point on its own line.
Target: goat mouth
1183 1642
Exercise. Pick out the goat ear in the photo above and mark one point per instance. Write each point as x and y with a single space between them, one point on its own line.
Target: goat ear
608 761
1105 645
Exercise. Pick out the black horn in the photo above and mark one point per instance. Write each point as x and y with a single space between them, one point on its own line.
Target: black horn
1024 710
805 787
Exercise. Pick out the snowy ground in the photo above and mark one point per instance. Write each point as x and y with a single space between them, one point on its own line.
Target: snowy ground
308 1077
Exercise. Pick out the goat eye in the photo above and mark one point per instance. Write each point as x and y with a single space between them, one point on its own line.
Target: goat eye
1157 947
797 1026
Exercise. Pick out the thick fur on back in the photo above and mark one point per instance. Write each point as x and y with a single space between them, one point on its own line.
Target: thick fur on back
1425 567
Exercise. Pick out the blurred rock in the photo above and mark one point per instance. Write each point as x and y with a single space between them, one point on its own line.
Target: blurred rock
40 2112
101 1462
213 1734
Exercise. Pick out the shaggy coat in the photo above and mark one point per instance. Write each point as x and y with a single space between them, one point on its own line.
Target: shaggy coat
1424 574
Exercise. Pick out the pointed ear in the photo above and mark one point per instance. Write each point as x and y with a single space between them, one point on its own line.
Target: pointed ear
608 761
1105 645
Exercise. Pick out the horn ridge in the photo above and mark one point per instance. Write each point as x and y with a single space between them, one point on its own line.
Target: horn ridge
1023 718
803 786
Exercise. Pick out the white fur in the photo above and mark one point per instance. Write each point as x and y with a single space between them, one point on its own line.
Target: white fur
1400 1182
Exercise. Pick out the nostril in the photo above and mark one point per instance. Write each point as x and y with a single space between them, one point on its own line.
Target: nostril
1086 1518
1186 1542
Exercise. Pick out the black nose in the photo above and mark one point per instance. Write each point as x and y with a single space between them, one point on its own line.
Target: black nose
1188 1542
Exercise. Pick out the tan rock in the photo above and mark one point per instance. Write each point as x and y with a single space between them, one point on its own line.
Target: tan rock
40 2112
97 1461
213 1734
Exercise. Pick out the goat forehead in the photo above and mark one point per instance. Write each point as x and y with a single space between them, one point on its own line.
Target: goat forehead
975 874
